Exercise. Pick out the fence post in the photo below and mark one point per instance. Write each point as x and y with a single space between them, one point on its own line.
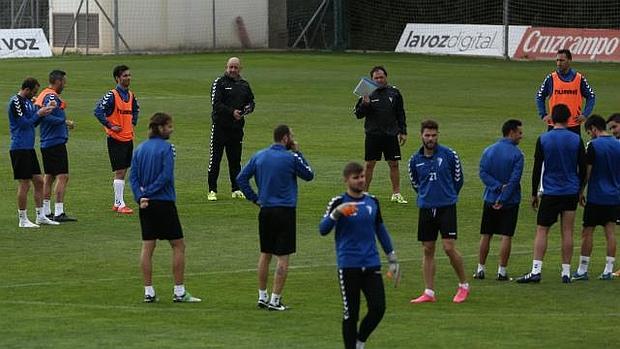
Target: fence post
116 33
338 25
506 29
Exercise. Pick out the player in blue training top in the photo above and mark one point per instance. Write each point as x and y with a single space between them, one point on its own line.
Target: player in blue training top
54 136
501 167
275 170
152 183
357 218
563 156
24 116
437 177
603 200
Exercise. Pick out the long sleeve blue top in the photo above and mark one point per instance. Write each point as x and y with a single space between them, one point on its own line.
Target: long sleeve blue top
501 167
152 170
546 88
356 235
603 154
23 119
275 171
105 106
54 127
437 179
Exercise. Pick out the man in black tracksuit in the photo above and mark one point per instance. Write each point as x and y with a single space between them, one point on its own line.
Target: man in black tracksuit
232 100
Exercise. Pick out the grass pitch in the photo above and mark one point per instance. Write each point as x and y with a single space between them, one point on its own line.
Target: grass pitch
79 285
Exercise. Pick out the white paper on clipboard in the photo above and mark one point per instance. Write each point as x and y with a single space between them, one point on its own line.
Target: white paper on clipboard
365 87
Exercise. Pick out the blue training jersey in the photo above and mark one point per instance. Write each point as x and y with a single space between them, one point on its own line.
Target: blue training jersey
501 167
275 170
23 119
356 235
105 106
53 127
152 170
603 154
437 179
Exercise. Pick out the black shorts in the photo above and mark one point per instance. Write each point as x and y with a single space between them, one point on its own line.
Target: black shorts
25 163
594 215
551 206
277 230
375 145
501 222
160 220
55 159
120 154
431 221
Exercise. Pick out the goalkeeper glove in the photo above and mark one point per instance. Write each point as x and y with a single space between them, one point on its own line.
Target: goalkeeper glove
393 269
346 209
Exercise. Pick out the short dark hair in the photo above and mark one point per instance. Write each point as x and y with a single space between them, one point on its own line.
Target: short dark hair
56 75
280 131
30 83
615 117
595 121
352 168
560 114
429 124
118 70
567 53
377 68
510 125
158 119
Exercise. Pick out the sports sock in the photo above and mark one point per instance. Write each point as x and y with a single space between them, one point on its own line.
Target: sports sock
59 208
481 267
429 292
179 290
119 188
275 299
609 265
47 207
501 270
536 266
149 291
359 344
39 212
464 285
263 295
23 215
565 269
584 261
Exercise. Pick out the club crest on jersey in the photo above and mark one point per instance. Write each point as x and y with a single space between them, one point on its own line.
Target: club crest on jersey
439 161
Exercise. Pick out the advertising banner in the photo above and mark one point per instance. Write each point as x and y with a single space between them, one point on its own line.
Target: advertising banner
23 43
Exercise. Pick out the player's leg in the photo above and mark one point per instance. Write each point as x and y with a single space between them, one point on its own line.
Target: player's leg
456 260
37 181
350 285
178 260
504 254
372 154
483 252
146 265
372 286
216 151
567 222
428 264
120 154
391 152
48 183
610 235
428 231
233 154
22 172
369 169
586 252
264 259
279 280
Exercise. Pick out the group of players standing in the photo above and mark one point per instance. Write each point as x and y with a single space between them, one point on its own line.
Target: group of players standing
562 170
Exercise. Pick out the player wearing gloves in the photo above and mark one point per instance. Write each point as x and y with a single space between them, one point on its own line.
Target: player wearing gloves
357 218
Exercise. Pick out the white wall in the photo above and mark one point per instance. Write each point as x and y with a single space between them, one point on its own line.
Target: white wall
164 25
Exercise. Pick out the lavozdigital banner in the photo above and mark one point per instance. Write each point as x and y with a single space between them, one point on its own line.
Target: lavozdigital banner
23 43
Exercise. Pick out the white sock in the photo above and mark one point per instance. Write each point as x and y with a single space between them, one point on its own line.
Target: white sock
501 270
359 344
47 208
119 188
263 295
429 292
565 269
275 299
609 265
481 267
149 291
584 261
464 285
23 215
59 208
179 290
39 212
536 266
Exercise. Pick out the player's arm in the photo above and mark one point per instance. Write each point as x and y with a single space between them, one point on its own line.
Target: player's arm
589 158
134 181
457 172
483 172
166 175
302 168
588 93
413 174
21 115
582 166
57 116
539 158
243 180
514 180
401 118
249 107
217 97
361 108
329 218
541 96
382 233
135 110
104 108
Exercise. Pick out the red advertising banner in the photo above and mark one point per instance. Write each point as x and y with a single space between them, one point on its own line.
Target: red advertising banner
584 44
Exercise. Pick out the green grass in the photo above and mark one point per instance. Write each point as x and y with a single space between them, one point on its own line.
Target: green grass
79 285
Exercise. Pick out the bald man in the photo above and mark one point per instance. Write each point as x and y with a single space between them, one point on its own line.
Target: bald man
232 100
